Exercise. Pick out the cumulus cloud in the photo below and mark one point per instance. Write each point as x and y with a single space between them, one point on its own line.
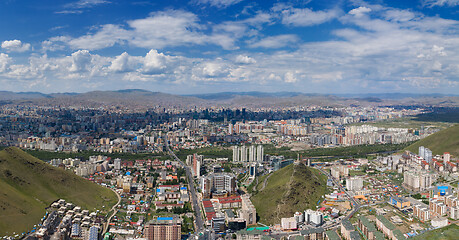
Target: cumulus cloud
278 41
242 59
307 17
290 77
15 46
5 61
155 63
360 11
123 63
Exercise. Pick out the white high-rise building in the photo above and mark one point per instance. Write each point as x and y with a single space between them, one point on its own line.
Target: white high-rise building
422 152
354 183
236 152
428 155
117 164
260 153
446 157
230 129
243 156
252 153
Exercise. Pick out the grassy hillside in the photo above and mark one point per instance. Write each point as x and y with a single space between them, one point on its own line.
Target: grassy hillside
288 190
28 186
446 140
450 232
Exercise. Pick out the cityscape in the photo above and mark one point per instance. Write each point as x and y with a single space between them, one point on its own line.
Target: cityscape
229 119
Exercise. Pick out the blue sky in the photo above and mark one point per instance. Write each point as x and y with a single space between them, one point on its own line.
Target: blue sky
204 46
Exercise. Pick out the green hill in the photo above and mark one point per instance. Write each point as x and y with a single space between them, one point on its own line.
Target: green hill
446 140
449 232
29 185
288 190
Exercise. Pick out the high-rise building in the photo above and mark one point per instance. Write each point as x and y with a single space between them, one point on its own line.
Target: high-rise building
428 155
218 182
163 228
418 181
354 183
422 152
230 129
260 153
446 157
117 164
196 167
236 154
253 170
243 156
252 153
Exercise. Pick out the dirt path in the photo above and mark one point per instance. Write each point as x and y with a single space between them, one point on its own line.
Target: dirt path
289 184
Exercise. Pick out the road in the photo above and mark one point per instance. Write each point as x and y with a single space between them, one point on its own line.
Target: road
114 212
196 206
356 205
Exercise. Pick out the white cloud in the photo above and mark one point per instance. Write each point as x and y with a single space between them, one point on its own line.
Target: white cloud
218 3
161 29
244 59
399 15
307 17
155 63
81 61
441 3
124 63
107 36
278 41
360 11
15 46
5 61
290 77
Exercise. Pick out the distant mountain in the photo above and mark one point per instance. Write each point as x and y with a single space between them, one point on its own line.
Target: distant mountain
6 95
139 98
29 185
446 140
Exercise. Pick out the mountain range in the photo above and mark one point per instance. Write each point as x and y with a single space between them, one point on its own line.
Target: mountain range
144 98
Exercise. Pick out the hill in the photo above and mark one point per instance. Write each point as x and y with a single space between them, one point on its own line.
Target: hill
29 185
446 140
288 190
449 232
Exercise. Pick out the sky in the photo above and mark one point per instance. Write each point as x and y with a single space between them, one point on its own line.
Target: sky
208 46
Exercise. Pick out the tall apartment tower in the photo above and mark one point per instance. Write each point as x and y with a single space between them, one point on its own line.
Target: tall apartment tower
243 155
252 153
236 154
260 153
163 228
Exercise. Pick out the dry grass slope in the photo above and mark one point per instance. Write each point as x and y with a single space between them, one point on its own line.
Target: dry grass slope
28 186
293 188
446 140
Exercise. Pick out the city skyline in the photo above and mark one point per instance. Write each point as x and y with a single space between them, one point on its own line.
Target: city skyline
209 46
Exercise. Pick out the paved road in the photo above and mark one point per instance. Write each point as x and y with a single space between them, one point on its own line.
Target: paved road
356 205
114 212
196 206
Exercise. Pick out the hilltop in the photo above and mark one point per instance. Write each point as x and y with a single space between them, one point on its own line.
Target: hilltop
288 190
446 140
29 185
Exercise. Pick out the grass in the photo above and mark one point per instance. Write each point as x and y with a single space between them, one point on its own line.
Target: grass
446 233
338 152
288 190
28 186
208 152
446 140
47 155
